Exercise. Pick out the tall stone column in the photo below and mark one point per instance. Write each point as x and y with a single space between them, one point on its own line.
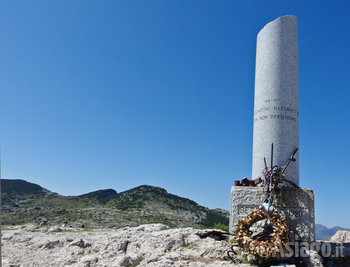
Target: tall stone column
276 100
276 121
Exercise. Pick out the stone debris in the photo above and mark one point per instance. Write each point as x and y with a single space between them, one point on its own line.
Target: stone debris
54 230
145 245
246 182
80 243
51 244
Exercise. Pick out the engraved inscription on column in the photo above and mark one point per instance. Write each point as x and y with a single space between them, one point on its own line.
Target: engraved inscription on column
273 111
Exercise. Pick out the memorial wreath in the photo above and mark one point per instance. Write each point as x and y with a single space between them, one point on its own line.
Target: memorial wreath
269 243
270 248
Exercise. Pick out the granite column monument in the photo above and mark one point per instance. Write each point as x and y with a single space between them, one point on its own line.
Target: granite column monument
276 120
276 101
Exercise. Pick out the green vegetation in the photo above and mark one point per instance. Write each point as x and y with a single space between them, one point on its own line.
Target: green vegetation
4 228
246 261
190 246
23 202
221 226
22 187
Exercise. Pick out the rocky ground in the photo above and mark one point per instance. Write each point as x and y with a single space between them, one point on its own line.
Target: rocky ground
146 245
341 237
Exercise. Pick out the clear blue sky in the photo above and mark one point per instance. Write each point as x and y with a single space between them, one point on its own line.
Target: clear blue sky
115 94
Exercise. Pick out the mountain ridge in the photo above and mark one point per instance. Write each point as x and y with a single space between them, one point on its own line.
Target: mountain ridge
24 202
323 232
21 186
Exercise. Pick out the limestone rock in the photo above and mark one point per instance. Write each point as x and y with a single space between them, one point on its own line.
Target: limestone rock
145 245
313 259
80 243
54 230
341 237
51 244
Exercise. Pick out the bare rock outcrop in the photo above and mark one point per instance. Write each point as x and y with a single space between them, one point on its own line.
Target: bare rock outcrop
145 245
341 237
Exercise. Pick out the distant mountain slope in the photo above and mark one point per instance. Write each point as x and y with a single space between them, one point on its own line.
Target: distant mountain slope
323 232
24 202
156 200
101 196
21 187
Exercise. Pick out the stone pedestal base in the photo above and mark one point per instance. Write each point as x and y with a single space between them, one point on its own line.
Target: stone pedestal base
296 205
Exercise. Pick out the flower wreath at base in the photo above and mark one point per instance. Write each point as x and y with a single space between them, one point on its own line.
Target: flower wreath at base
263 249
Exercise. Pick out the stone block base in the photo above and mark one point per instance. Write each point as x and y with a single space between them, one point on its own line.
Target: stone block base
296 205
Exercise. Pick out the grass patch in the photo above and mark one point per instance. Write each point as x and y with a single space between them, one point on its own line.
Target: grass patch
190 246
221 226
68 230
4 228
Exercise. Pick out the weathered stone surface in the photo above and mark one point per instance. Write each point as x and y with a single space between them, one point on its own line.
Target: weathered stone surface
143 246
54 229
297 205
276 101
313 259
341 237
